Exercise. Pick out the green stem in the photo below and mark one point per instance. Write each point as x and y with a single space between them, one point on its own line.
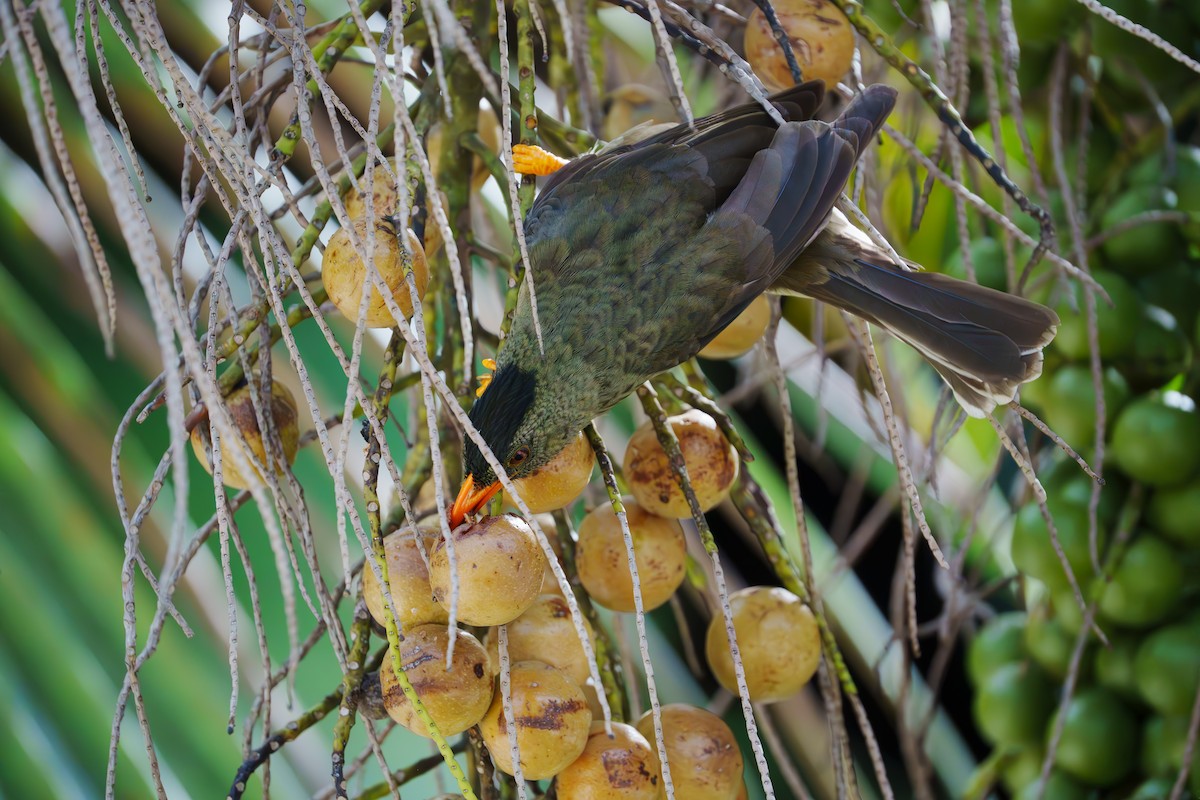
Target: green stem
610 668
709 406
360 634
371 496
277 740
326 52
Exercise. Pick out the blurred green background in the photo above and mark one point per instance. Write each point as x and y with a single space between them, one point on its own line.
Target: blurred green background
62 398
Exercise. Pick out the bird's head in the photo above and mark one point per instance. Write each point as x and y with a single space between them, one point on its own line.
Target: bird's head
522 430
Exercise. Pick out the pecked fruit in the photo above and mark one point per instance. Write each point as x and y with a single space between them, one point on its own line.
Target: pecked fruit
345 275
706 763
499 567
241 410
456 698
621 768
553 720
712 465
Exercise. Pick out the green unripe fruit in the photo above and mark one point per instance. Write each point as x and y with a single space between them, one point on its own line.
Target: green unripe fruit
1168 668
1099 741
1146 585
1113 322
1175 289
1049 644
1161 351
1059 786
1175 513
1147 247
1070 409
1153 789
1013 704
1163 740
1114 665
1033 550
999 642
1154 440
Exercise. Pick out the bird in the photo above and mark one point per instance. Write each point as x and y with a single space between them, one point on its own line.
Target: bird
643 252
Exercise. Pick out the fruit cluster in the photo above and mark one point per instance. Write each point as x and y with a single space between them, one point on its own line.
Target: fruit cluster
496 574
1124 728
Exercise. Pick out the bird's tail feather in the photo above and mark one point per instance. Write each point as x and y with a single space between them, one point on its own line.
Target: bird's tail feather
984 343
863 118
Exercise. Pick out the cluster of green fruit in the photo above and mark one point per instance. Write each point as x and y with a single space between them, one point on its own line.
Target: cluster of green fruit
1125 726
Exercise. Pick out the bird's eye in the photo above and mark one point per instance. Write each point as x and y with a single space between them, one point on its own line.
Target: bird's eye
518 457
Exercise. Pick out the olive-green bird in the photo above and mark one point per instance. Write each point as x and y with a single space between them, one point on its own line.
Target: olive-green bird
642 253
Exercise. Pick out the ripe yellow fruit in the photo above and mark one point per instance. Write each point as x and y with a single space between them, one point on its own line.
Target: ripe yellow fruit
822 41
546 633
408 577
552 716
345 275
557 484
621 768
383 194
706 763
456 698
712 465
740 335
778 639
603 562
241 410
499 565
550 582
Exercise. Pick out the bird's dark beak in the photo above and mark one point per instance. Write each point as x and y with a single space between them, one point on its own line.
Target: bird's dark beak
470 500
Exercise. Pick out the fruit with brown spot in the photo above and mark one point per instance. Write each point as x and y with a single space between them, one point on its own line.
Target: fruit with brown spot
706 763
553 719
546 633
383 194
623 767
241 410
712 466
344 272
455 698
408 577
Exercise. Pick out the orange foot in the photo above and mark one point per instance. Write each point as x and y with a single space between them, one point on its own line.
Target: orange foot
490 365
529 159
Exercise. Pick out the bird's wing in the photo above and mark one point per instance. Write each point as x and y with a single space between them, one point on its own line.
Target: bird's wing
667 241
728 141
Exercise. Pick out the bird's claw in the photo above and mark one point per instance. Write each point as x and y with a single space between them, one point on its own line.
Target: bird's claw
529 159
485 379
